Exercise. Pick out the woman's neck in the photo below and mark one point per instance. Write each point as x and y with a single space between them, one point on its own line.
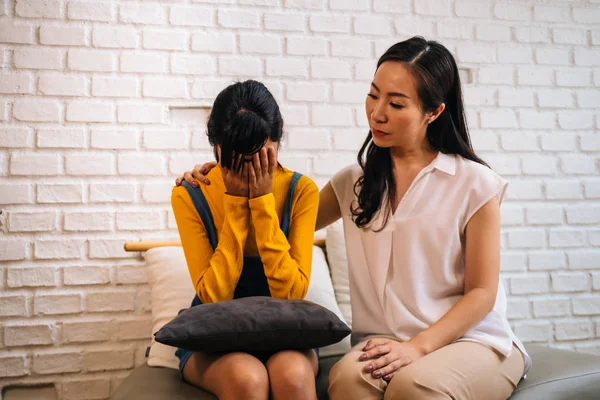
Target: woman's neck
407 158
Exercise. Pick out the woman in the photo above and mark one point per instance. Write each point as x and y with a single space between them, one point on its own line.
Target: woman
236 247
422 226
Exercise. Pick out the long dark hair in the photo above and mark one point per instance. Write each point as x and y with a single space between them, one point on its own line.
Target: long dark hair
244 115
438 81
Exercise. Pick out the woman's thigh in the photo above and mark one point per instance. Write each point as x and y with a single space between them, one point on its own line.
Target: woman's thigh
461 370
348 380
226 373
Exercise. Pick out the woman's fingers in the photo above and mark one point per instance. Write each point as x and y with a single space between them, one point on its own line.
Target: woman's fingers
199 174
375 352
272 158
373 343
189 178
206 167
389 370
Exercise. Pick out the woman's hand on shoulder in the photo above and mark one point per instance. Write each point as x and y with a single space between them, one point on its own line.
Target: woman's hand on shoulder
385 357
198 173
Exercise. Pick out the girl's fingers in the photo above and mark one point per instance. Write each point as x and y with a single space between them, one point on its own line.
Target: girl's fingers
239 164
272 157
246 173
257 164
251 173
264 161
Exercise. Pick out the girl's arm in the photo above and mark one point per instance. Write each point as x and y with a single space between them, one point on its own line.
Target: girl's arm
482 273
214 275
287 261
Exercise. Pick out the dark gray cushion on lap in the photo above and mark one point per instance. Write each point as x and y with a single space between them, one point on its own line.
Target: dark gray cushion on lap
253 324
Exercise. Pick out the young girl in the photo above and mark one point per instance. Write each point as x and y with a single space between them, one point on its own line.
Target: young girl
421 216
250 233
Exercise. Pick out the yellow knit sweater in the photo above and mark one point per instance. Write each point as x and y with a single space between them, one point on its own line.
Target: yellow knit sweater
249 227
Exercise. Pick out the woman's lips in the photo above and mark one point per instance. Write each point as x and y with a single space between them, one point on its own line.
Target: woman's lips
379 133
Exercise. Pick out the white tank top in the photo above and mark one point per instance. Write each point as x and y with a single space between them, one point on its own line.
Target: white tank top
409 275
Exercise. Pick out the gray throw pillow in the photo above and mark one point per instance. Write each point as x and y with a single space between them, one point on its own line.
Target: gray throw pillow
253 324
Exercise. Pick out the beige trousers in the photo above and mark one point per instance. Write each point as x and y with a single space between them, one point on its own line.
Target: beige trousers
460 371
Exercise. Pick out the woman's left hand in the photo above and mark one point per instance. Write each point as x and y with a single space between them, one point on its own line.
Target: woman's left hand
388 357
261 172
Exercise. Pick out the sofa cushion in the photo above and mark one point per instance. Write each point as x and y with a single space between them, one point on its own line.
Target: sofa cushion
555 375
560 375
155 383
338 266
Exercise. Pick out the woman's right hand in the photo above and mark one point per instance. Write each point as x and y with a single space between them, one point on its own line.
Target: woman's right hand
199 172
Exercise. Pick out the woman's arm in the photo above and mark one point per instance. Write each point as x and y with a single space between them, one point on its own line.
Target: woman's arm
287 260
329 208
482 273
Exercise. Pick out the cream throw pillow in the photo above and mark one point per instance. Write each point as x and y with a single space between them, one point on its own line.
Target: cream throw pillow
171 290
338 266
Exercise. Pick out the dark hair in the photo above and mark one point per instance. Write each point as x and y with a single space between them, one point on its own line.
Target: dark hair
244 115
438 81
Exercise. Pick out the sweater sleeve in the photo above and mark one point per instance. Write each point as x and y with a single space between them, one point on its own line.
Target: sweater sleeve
287 261
214 274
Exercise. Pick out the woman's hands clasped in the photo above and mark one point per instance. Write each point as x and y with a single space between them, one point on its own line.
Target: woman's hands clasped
384 357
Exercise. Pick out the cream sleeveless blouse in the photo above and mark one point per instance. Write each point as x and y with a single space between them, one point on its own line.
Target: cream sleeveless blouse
407 276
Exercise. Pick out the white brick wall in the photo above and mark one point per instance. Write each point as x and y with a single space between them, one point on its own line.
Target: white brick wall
89 149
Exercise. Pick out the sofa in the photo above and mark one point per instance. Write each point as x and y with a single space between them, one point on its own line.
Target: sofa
555 374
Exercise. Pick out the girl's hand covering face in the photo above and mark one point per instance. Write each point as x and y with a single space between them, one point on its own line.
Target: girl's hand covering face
253 179
261 171
236 179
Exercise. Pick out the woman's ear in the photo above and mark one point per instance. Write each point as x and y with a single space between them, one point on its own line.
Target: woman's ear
282 124
434 115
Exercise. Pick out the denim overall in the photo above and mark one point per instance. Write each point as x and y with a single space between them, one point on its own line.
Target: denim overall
253 281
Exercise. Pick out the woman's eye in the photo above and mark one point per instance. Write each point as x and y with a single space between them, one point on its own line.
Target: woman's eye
371 95
396 105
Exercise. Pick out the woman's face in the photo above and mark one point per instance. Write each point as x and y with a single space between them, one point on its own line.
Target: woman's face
394 109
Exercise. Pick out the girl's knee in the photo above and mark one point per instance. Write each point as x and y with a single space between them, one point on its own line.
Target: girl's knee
247 379
289 373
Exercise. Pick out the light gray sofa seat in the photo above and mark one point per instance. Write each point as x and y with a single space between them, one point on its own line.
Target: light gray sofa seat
555 375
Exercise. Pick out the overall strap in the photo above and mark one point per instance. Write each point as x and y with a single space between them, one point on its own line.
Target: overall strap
204 211
287 211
